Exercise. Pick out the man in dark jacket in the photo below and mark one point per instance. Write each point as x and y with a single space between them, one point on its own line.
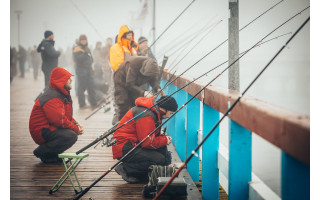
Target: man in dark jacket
49 56
51 124
131 74
83 62
152 151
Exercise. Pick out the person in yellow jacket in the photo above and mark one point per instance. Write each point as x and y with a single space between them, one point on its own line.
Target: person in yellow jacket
124 47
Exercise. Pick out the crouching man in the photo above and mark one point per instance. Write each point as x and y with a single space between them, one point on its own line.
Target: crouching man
51 124
152 151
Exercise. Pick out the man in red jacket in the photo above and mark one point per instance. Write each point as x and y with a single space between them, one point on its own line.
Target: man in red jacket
153 151
51 124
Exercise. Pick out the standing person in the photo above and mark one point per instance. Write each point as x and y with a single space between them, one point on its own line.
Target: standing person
107 71
22 56
13 61
129 76
124 48
51 124
144 49
49 56
83 62
35 60
154 150
101 85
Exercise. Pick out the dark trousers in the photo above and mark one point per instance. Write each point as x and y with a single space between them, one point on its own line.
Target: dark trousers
56 142
35 70
86 82
136 164
46 78
123 99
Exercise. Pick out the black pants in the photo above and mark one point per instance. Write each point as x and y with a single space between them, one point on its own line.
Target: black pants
86 82
46 73
56 142
138 162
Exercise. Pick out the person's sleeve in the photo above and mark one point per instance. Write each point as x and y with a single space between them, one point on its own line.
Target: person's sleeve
144 127
155 83
116 57
55 113
50 51
80 56
132 76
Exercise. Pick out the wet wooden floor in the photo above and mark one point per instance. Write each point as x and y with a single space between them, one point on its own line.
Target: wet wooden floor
31 179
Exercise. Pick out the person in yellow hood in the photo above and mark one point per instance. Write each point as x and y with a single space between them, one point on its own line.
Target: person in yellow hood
124 47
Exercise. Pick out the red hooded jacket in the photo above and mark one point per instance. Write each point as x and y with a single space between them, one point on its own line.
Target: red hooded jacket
53 109
138 129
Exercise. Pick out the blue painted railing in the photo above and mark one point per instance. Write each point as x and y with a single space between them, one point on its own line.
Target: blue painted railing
184 129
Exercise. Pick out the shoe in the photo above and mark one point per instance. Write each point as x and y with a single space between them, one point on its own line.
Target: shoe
121 171
51 160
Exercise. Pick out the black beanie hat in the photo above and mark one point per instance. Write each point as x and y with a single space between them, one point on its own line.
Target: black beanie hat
168 103
47 34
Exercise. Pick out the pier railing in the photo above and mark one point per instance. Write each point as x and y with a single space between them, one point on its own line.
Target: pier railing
287 130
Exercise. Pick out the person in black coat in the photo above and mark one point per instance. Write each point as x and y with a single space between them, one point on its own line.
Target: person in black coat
83 62
49 56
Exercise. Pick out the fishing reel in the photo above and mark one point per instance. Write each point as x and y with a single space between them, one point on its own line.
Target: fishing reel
109 142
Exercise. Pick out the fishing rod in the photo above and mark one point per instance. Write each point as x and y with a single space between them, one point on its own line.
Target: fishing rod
131 150
101 106
219 46
172 23
228 111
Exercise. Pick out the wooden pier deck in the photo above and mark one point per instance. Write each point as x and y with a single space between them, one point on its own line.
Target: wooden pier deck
31 179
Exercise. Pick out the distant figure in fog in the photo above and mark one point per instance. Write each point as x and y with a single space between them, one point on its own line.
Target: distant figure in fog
13 61
144 49
49 56
22 56
35 61
51 124
101 84
107 67
83 62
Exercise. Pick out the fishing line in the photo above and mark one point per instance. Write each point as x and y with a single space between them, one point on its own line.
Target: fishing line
172 23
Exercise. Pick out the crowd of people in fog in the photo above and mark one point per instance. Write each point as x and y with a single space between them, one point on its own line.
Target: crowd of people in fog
125 70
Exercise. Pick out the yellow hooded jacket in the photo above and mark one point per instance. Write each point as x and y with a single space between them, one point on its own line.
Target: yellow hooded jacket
122 49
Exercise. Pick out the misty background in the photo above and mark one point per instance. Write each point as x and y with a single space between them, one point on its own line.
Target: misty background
286 83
